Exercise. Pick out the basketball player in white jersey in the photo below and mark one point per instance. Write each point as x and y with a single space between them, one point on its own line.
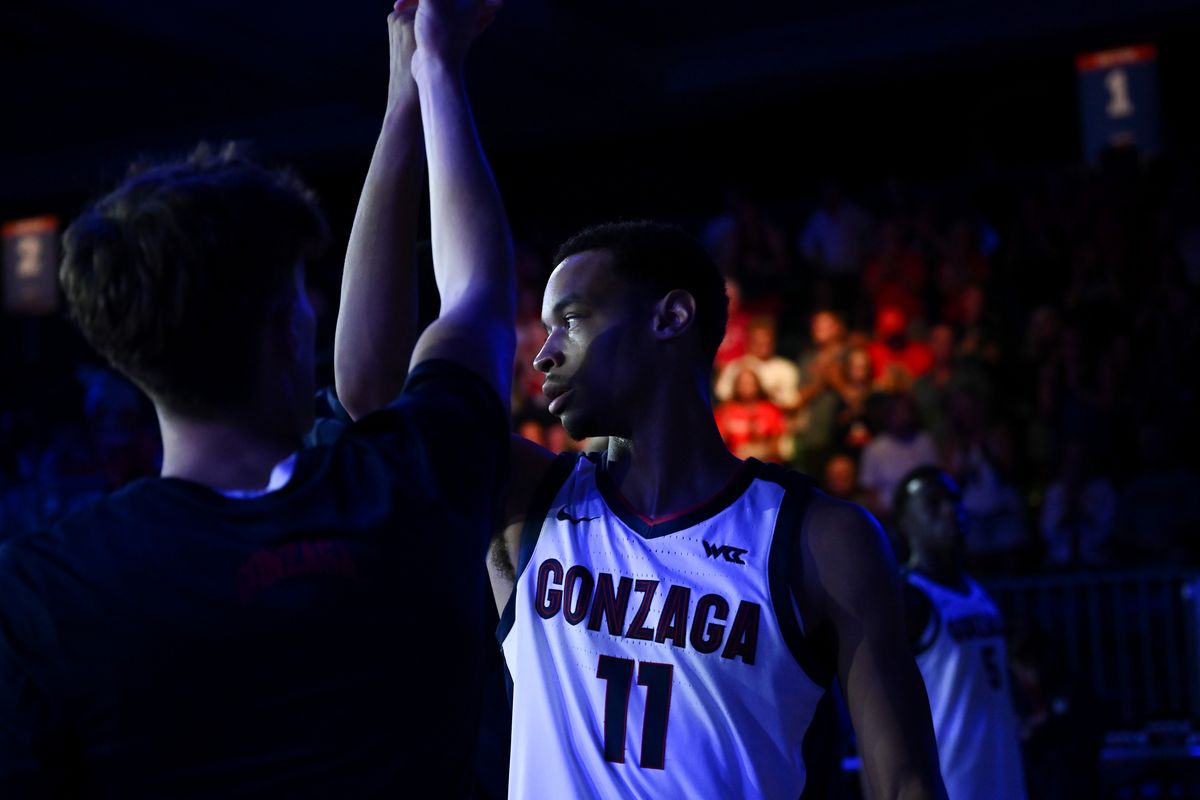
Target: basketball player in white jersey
958 637
673 617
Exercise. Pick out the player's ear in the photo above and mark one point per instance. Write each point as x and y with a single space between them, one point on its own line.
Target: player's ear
674 314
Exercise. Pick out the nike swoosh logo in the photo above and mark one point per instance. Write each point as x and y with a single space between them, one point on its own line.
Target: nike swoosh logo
565 517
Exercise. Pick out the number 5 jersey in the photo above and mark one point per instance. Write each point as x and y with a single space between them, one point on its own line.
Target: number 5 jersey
665 658
962 657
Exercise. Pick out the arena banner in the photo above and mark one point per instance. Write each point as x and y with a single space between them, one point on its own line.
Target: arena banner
31 265
1118 100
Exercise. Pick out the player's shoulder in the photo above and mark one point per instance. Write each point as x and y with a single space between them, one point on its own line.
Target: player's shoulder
844 547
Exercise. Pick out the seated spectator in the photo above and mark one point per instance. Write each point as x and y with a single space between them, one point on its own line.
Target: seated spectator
841 479
1079 512
901 447
948 375
814 423
746 245
896 359
984 461
853 420
976 341
963 266
1076 391
778 376
733 346
1158 511
895 277
751 425
835 241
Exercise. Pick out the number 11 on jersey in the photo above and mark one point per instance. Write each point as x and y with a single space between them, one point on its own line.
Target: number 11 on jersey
618 674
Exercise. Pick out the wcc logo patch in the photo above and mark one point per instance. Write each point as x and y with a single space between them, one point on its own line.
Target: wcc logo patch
729 552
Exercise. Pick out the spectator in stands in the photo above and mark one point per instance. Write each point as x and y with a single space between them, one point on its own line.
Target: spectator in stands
733 346
977 340
778 376
1075 392
984 460
835 241
896 359
948 375
1079 512
746 245
841 479
814 424
855 390
963 266
900 448
895 276
751 425
1158 512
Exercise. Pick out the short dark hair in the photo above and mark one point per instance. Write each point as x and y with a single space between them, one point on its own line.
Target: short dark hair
171 277
925 472
662 258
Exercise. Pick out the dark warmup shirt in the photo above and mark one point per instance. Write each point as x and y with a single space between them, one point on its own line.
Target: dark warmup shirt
324 640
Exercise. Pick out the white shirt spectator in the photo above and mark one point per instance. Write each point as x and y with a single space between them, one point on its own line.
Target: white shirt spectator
779 378
887 459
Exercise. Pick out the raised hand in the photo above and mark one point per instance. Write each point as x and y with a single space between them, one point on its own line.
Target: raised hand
446 28
402 40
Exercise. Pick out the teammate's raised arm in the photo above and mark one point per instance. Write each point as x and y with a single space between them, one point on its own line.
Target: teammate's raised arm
472 247
377 322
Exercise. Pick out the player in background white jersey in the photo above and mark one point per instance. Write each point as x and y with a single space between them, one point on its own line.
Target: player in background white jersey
957 635
631 340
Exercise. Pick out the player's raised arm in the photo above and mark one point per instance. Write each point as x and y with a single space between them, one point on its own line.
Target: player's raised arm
472 247
851 567
377 322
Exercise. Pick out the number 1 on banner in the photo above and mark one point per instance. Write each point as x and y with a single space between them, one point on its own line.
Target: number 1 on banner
618 675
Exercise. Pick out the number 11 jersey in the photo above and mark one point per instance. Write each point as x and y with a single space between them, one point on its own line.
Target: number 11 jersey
665 658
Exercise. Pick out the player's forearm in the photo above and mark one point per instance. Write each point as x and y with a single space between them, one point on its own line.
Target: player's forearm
377 321
472 246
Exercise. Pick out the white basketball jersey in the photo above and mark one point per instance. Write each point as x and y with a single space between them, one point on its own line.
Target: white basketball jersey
663 659
965 665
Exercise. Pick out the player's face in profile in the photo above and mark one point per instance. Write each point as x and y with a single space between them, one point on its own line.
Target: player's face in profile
591 354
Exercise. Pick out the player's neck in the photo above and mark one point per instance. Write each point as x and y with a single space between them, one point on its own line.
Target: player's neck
225 453
941 567
675 459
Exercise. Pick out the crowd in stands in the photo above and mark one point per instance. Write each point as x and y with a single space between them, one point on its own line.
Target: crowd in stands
1037 337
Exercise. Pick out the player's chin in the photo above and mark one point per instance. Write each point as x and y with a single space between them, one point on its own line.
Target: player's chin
578 425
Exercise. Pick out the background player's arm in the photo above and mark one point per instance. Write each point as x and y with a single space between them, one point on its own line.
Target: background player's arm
377 322
472 246
852 583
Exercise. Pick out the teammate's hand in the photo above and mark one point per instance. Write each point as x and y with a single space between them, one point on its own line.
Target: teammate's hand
402 89
446 28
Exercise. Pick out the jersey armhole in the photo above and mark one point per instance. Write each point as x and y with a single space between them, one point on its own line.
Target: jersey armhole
933 625
805 644
539 507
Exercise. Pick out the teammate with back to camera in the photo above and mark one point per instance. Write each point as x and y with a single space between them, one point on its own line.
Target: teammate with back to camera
236 628
958 637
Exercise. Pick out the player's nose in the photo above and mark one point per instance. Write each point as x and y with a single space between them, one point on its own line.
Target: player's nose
550 356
